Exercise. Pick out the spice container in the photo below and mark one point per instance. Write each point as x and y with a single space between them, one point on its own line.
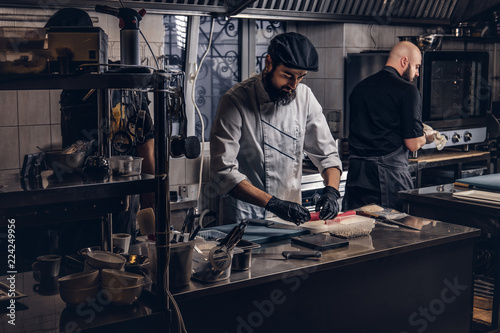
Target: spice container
125 165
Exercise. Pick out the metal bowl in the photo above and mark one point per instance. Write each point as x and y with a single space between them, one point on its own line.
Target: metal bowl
57 159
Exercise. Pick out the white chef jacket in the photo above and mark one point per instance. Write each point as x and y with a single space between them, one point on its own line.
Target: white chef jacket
254 139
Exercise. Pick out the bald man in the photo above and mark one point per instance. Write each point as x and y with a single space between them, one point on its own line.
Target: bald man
385 123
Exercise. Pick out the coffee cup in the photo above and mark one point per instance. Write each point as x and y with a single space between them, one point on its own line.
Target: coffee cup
122 241
46 266
47 286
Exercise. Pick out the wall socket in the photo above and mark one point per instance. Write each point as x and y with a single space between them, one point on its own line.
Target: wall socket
188 192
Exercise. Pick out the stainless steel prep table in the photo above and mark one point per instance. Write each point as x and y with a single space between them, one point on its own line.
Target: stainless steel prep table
380 283
437 202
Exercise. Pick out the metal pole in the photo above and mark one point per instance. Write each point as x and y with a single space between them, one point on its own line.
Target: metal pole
104 149
162 225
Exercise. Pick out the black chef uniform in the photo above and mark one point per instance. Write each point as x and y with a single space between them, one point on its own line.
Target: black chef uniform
385 109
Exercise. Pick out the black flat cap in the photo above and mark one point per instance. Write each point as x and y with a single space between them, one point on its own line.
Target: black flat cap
294 50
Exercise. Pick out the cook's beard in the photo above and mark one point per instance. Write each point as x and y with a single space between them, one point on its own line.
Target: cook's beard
407 74
278 96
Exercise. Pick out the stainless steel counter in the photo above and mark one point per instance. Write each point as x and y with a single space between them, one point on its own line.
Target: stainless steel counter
373 285
383 241
438 202
382 278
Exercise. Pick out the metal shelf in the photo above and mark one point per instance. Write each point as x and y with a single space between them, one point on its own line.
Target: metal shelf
77 81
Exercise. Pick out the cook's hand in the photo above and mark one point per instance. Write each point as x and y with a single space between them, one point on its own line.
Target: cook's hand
288 211
429 134
328 204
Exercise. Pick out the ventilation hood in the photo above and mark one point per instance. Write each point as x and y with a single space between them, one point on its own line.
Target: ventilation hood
409 12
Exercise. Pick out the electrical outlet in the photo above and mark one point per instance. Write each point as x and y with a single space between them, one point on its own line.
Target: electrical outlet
188 192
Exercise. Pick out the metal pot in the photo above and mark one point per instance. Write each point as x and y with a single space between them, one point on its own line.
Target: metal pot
58 159
429 42
424 42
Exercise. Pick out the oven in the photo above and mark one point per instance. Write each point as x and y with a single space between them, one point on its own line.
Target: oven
455 95
453 85
312 186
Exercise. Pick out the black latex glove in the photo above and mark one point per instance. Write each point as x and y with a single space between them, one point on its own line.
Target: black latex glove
328 203
288 211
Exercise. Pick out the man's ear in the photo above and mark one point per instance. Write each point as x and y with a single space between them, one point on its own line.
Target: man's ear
404 61
269 64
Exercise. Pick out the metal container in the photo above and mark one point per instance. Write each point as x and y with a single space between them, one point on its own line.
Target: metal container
242 260
58 159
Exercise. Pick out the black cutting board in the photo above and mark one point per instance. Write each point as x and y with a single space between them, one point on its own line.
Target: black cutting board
488 182
262 234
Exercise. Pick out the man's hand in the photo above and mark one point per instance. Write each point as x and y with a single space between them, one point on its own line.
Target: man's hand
428 134
288 211
328 204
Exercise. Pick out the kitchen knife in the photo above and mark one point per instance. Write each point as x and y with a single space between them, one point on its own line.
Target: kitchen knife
272 224
285 255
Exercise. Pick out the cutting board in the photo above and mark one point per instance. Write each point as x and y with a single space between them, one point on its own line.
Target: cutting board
489 182
262 234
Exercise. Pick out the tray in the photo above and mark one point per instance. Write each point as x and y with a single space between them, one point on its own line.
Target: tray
4 293
479 196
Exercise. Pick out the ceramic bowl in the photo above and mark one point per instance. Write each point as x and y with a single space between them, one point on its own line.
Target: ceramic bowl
113 278
85 251
123 296
78 296
80 280
104 259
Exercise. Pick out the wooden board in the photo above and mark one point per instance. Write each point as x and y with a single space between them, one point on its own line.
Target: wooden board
447 155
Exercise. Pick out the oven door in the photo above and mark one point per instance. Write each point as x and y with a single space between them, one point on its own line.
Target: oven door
455 91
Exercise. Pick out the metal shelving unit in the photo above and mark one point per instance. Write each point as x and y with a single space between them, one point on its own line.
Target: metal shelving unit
21 198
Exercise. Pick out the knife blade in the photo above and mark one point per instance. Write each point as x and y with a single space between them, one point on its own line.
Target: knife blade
285 255
272 224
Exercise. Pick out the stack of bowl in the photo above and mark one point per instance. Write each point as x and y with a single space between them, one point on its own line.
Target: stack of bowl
76 288
103 259
122 288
